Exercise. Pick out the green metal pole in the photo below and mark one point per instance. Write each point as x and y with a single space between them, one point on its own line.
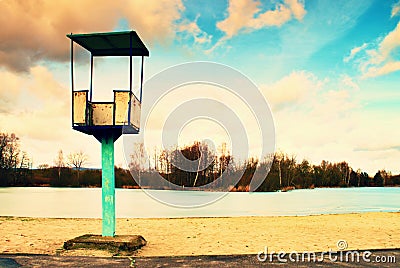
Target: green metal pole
108 186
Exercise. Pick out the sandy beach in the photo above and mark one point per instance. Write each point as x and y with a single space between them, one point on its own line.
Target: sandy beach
209 236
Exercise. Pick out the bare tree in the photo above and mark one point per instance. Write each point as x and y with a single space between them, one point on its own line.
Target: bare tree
278 159
59 163
77 160
137 164
22 173
222 158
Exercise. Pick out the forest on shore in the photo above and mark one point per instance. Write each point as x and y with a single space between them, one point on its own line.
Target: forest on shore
285 173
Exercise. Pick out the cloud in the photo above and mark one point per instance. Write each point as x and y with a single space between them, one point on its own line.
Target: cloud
38 104
389 43
36 31
389 67
383 148
318 119
354 52
244 15
291 89
383 60
378 58
308 114
349 83
9 91
395 9
45 87
297 8
191 30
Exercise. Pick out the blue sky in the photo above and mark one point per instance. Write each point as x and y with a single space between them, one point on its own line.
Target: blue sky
330 70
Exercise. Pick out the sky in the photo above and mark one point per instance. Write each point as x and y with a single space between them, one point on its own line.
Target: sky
330 70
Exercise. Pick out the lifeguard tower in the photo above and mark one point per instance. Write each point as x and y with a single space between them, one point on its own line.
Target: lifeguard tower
106 121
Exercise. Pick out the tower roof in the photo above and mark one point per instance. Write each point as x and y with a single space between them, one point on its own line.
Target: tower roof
111 43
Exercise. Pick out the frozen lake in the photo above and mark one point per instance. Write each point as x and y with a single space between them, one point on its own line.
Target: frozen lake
86 202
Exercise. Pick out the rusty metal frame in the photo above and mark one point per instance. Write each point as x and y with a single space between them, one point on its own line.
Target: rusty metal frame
141 80
130 78
86 110
91 77
72 79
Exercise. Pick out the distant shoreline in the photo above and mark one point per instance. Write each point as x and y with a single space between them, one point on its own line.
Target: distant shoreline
195 188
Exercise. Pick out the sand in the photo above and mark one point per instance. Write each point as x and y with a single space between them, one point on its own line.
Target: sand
209 236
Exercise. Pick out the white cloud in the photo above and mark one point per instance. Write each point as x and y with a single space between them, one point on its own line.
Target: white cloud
297 8
395 9
36 30
40 103
389 67
354 52
349 83
322 119
294 88
192 30
390 42
245 15
9 91
381 60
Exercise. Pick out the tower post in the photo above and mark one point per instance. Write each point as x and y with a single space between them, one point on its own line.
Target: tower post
108 186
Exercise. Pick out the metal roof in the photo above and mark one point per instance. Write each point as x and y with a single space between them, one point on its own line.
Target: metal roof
111 43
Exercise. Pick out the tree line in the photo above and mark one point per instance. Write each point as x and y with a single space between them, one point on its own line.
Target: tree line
204 165
285 172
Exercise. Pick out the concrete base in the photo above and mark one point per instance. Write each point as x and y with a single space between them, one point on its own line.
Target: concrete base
117 244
